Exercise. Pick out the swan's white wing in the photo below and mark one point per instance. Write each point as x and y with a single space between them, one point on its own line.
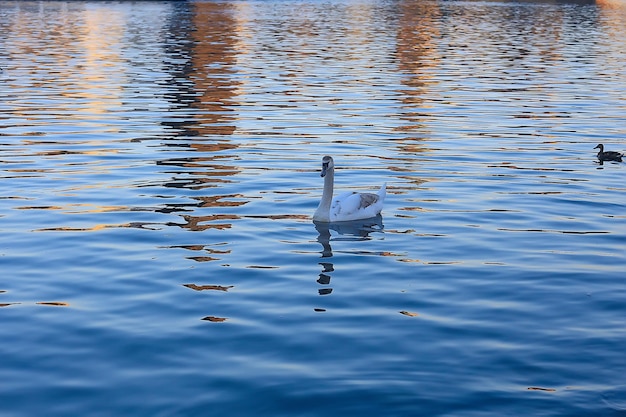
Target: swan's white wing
352 206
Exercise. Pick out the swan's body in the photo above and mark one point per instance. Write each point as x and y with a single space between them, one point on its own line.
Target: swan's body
348 206
608 155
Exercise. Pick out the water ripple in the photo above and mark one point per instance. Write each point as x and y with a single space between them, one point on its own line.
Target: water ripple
185 137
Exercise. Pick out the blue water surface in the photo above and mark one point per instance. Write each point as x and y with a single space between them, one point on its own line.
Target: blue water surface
159 166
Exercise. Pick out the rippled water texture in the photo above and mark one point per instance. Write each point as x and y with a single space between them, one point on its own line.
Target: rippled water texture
160 163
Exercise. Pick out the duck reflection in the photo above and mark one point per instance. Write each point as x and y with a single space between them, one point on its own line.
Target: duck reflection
357 230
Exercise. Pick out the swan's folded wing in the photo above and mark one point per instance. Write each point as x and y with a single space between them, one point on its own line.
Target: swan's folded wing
350 202
367 199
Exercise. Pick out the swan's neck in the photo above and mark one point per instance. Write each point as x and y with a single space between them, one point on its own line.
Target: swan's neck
322 213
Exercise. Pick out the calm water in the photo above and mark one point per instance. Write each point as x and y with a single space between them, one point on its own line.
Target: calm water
160 162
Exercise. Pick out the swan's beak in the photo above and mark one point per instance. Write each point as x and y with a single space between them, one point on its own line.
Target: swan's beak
324 169
597 147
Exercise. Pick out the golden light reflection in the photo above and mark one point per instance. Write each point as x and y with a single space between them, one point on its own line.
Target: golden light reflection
88 208
78 229
98 227
612 4
613 22
417 37
84 56
208 66
102 45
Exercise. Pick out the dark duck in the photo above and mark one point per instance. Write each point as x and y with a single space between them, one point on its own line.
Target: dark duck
608 155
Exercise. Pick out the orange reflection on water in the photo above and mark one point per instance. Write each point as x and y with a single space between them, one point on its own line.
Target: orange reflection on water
209 90
98 227
193 223
213 31
612 4
217 201
84 57
101 76
215 319
88 208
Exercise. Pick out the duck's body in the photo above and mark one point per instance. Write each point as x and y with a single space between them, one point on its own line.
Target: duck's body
348 206
608 155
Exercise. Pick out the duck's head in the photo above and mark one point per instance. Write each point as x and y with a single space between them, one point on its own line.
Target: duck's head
327 164
600 146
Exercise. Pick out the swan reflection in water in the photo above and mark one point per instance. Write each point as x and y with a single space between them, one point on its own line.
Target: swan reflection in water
357 230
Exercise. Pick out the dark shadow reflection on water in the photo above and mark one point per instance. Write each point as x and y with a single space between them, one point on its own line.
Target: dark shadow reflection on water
358 230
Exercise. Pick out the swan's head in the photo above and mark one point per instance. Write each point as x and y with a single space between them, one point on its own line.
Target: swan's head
600 146
327 164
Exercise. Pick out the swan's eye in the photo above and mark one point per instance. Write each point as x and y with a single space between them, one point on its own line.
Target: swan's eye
325 165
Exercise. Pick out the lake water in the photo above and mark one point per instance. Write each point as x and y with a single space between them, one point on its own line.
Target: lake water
160 163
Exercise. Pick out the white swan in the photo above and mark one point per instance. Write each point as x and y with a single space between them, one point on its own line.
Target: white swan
348 206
